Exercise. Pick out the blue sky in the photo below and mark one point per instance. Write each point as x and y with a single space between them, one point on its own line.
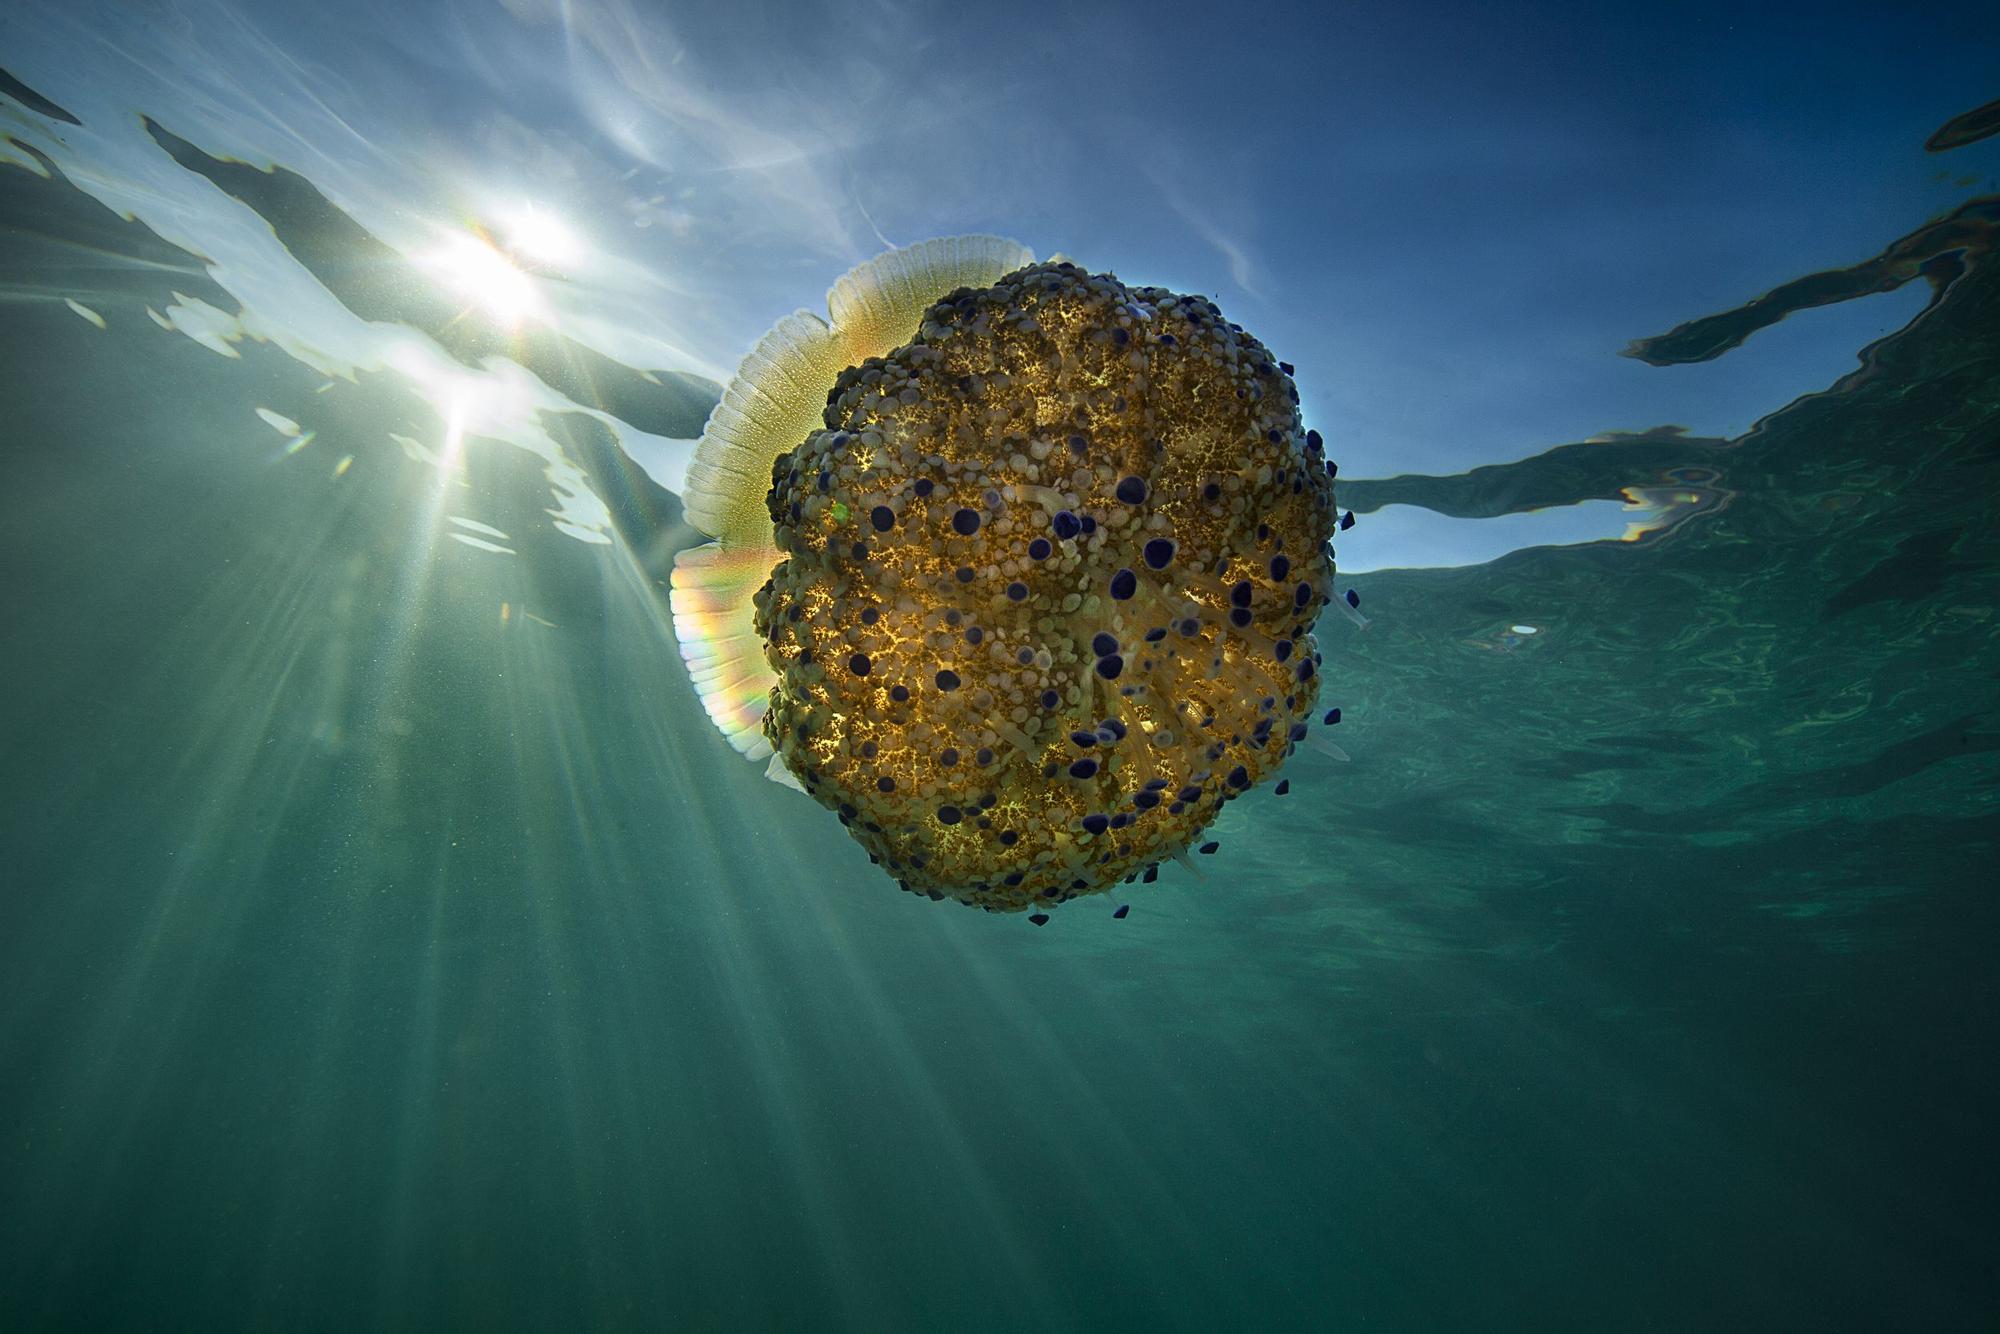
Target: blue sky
1451 218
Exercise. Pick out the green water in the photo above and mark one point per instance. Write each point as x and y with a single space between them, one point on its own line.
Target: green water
376 958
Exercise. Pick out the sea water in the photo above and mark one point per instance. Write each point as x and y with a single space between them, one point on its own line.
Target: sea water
388 941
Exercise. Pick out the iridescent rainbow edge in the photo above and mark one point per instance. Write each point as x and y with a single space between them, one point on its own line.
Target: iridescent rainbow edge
714 622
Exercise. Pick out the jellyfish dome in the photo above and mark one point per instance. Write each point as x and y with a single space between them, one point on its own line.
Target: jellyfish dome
1017 569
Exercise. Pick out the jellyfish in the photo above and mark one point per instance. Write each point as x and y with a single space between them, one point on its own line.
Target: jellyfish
1016 569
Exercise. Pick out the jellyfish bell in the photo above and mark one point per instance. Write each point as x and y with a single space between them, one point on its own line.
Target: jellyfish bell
1015 568
776 399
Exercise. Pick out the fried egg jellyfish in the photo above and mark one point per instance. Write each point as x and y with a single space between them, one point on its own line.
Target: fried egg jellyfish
1015 568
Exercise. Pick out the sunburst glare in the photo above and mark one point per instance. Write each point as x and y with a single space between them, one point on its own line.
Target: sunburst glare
538 238
472 266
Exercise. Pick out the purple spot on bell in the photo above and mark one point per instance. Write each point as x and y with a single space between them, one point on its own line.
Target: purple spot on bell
965 522
1208 849
1017 591
1159 553
1124 584
1121 910
1039 918
883 518
947 679
1132 490
1096 824
1102 643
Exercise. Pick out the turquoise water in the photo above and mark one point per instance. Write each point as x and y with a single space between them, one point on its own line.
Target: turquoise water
388 941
